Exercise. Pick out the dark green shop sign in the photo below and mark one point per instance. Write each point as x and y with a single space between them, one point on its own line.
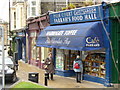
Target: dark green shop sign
77 15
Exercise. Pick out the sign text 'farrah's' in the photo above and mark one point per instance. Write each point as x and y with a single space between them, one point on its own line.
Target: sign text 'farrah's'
77 15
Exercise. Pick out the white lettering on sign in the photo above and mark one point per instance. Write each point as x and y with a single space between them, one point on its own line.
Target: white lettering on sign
66 14
76 15
93 45
85 11
60 33
54 33
56 15
53 40
92 41
90 16
66 41
59 20
70 32
77 18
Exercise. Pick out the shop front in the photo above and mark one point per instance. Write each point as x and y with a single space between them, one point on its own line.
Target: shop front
69 38
19 44
115 40
34 54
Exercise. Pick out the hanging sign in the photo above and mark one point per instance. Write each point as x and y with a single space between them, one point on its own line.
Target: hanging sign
77 15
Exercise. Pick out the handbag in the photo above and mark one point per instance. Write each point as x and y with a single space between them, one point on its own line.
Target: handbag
45 66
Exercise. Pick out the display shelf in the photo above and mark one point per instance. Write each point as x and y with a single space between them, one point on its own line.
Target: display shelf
102 68
94 72
94 66
94 61
87 66
102 73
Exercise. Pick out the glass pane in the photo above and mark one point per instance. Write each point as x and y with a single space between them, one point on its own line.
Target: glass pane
59 59
37 53
66 52
33 3
33 11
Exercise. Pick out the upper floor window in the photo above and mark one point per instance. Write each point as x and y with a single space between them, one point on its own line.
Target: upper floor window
33 11
33 3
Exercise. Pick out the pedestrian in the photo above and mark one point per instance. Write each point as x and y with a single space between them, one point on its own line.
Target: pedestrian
10 52
78 68
49 66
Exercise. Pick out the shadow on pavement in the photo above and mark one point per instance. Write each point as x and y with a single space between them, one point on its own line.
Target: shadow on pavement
8 82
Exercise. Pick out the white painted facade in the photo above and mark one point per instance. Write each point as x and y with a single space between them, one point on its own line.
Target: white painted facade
18 14
33 8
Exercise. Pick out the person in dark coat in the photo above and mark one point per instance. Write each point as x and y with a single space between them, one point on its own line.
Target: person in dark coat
78 68
49 66
10 52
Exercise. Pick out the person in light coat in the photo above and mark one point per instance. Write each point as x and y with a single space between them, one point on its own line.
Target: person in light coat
78 68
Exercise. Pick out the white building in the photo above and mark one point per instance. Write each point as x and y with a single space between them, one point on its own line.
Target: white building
21 10
33 8
18 14
5 26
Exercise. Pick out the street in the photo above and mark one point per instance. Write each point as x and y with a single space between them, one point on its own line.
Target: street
60 44
7 84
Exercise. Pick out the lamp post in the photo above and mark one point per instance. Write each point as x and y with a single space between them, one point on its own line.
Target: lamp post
9 23
3 62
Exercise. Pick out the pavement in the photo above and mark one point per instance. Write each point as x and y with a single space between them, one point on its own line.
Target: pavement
58 82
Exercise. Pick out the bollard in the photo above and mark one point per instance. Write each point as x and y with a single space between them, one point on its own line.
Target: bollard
51 76
46 78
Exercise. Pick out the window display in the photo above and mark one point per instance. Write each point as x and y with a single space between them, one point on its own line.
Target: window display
59 59
73 54
94 64
65 58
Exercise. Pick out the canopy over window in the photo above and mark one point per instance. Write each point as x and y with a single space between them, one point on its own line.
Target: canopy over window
82 36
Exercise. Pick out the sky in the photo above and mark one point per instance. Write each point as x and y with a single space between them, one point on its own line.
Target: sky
4 9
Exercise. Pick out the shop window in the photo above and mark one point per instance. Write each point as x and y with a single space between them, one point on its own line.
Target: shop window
33 49
38 53
23 52
33 3
65 58
33 11
60 59
14 19
94 64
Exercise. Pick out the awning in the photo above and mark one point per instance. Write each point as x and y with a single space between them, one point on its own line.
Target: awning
82 36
